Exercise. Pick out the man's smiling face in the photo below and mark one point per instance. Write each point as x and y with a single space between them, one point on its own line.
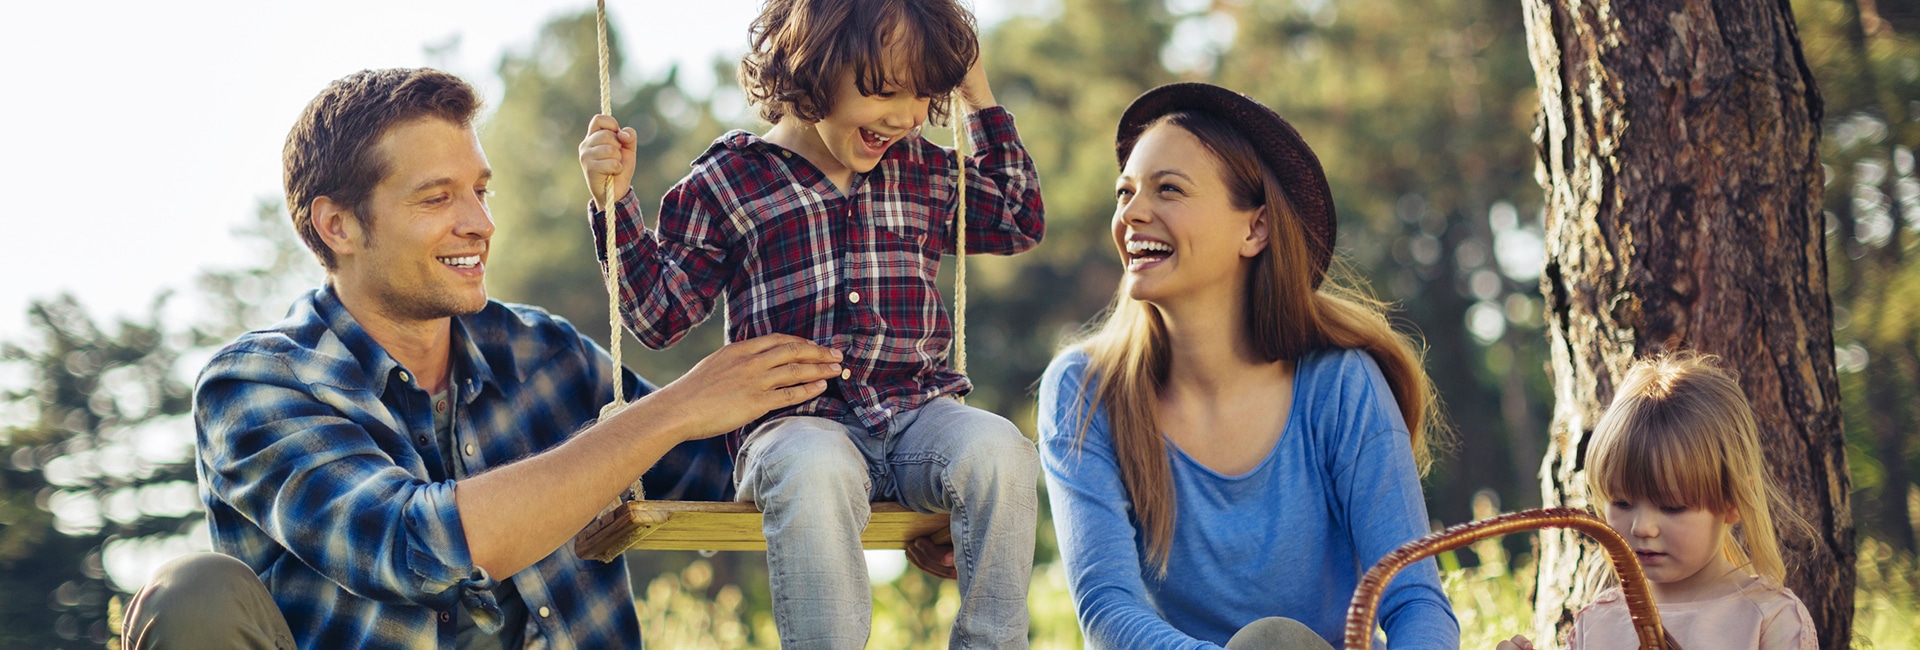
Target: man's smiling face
425 254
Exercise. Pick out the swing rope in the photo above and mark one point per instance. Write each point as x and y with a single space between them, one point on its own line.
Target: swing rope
636 491
960 144
613 252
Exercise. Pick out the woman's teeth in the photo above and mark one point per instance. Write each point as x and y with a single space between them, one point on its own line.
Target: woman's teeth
1141 247
467 262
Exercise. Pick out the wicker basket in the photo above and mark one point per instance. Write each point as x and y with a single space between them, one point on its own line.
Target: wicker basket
1633 582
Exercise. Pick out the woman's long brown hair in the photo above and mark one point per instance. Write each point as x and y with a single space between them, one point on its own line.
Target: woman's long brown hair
1286 318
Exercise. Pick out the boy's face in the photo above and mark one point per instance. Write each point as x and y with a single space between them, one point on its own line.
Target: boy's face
861 127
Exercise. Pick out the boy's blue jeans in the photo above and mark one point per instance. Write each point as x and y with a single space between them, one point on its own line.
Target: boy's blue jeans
814 479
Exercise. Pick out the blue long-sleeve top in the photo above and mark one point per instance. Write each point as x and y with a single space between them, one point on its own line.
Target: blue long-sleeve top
1289 538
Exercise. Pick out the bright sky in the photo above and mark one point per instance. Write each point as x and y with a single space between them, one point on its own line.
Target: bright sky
134 136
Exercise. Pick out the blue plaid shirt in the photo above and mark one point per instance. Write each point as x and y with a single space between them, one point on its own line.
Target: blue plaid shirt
319 469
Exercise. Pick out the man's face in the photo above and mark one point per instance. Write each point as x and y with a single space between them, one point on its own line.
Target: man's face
425 257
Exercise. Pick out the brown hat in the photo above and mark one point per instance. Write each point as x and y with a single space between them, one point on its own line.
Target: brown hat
1280 148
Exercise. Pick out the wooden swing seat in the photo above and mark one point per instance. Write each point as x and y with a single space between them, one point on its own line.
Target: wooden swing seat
725 526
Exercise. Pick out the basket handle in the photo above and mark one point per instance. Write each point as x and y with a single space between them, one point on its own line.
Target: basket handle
1633 581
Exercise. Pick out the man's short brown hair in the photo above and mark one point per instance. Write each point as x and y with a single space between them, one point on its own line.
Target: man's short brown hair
800 47
330 151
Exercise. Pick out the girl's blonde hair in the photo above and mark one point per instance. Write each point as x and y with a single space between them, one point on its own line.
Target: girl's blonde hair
1680 434
1285 315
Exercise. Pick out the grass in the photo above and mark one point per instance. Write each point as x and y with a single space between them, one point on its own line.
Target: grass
915 611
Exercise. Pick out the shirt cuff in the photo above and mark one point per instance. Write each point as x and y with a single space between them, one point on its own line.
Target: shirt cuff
438 555
476 595
989 126
624 210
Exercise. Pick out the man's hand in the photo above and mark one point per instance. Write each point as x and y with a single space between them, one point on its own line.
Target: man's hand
607 154
933 554
743 381
974 93
1516 643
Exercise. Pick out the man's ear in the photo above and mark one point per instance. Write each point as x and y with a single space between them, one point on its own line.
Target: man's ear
338 229
1259 230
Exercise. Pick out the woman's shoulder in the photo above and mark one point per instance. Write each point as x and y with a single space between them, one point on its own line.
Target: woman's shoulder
1339 365
1068 370
1341 383
1065 391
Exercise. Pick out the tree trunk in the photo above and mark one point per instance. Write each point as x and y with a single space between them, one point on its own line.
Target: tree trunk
1679 150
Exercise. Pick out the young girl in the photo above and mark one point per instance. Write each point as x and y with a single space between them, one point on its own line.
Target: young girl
831 227
1675 467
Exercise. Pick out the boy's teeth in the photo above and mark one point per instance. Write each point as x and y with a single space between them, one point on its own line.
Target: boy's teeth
463 262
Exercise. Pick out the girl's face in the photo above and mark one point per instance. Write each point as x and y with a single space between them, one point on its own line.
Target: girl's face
1678 547
1174 221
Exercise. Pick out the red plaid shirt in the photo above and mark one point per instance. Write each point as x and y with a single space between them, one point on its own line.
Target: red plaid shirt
852 271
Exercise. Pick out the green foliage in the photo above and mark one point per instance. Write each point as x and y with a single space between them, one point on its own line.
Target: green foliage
1869 73
97 440
73 480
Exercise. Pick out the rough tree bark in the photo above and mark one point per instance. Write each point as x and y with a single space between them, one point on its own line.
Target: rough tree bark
1679 148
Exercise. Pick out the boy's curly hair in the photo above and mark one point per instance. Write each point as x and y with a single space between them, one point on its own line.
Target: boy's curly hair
800 47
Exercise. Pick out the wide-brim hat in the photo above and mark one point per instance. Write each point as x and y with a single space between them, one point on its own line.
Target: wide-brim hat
1279 145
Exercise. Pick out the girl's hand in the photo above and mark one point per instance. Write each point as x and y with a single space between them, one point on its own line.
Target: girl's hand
974 93
607 154
1518 642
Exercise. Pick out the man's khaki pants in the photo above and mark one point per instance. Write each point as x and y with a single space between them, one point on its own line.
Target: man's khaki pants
205 600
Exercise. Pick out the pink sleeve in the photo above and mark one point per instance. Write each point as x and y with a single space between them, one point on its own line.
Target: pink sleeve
1790 628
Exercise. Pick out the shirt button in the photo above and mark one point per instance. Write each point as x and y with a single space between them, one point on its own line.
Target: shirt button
440 406
422 439
544 612
405 377
853 297
446 616
846 373
469 449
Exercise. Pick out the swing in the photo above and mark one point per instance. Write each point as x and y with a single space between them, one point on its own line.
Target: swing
1633 582
633 522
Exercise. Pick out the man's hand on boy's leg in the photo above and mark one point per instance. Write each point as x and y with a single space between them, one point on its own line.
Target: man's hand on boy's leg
606 154
933 557
742 381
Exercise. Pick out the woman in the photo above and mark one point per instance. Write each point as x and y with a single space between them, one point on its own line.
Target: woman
1240 439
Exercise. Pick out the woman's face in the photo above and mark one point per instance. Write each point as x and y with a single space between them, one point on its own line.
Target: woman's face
1174 222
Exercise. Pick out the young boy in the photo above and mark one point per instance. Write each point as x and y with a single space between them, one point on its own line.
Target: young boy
831 227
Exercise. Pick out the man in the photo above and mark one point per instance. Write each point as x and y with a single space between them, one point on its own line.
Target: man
401 461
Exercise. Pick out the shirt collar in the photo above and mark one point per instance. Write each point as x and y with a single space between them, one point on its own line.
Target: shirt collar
467 360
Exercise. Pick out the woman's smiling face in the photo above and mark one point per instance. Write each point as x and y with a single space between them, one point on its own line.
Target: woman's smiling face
1175 224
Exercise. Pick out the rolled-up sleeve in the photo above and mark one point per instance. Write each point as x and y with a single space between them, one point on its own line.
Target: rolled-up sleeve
288 457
